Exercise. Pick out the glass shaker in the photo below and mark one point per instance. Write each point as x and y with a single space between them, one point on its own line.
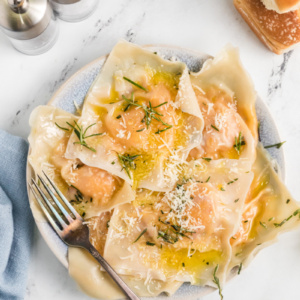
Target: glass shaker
74 10
29 24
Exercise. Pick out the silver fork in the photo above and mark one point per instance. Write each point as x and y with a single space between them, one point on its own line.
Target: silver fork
73 232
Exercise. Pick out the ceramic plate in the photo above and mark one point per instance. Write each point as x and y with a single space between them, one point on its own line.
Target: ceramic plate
75 89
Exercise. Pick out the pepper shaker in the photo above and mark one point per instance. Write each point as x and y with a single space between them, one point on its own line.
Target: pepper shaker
74 10
29 24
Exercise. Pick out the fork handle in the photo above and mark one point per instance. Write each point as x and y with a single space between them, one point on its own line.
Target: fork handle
118 280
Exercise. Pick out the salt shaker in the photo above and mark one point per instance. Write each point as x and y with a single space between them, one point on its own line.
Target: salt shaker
29 24
74 10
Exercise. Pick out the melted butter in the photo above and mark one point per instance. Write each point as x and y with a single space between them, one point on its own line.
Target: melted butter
178 260
144 165
99 111
170 80
113 97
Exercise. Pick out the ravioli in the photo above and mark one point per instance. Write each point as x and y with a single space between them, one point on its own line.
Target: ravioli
145 114
166 169
90 190
97 283
183 234
226 98
269 210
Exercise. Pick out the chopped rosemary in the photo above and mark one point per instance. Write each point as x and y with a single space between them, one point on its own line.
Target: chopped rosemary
183 264
81 134
207 180
150 244
234 238
135 84
287 201
234 180
214 127
127 162
162 212
236 200
217 281
206 158
113 162
83 214
60 127
295 213
222 189
108 223
150 113
239 142
140 235
271 219
246 221
140 130
167 238
263 224
240 268
162 130
118 117
278 145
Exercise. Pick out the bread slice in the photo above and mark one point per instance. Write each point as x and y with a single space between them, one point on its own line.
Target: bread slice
279 32
282 6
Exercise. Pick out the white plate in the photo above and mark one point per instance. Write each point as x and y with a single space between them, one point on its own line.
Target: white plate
76 88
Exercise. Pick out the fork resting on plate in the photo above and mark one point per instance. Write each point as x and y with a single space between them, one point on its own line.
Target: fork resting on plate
71 229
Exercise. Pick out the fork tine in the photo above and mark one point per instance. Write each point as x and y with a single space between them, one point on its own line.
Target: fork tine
58 217
66 214
45 211
63 198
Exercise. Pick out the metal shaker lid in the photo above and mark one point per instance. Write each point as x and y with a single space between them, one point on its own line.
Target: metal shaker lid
24 19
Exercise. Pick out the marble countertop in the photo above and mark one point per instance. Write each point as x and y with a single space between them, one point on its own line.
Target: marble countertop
202 25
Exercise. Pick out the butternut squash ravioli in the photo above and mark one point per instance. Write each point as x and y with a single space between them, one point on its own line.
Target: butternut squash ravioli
165 167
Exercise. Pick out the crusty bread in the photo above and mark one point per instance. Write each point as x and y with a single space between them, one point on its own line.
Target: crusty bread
282 6
279 32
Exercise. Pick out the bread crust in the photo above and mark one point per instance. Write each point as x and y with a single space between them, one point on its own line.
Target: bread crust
279 32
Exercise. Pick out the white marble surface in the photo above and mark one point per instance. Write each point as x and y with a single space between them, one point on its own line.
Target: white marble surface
204 25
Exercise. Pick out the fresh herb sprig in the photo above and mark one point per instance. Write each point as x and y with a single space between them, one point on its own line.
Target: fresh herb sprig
143 232
278 145
215 128
217 281
81 134
239 142
127 162
135 84
150 113
295 213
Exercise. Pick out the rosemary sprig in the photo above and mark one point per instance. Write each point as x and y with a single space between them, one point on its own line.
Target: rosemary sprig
81 134
150 113
214 127
127 162
239 142
167 238
150 244
240 268
207 180
232 181
263 224
217 281
60 127
278 145
144 231
135 84
295 213
206 158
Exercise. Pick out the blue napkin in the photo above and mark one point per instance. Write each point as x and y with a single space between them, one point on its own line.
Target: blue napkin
16 222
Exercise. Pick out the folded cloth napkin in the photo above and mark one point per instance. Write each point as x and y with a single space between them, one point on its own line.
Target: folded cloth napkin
16 222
